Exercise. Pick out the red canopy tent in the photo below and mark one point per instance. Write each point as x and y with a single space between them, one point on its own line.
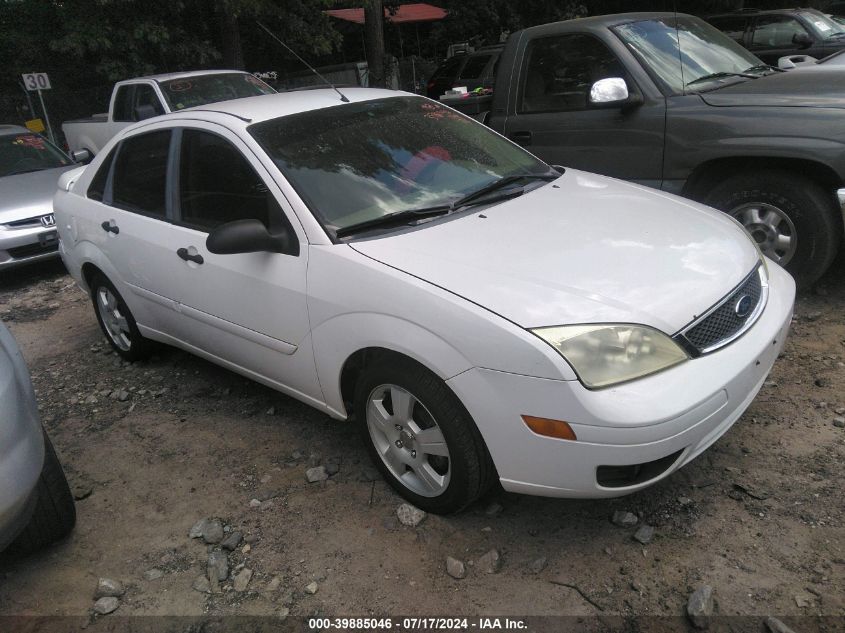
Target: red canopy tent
405 14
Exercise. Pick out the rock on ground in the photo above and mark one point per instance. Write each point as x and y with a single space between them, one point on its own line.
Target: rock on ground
202 585
242 579
311 588
538 565
218 566
108 588
232 541
776 626
455 568
106 605
644 534
700 606
210 530
490 563
315 474
624 519
409 515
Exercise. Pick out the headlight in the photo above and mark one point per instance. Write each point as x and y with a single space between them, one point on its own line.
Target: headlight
607 354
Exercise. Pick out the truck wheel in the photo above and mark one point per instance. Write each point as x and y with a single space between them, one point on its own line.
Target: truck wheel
54 515
117 321
792 219
420 436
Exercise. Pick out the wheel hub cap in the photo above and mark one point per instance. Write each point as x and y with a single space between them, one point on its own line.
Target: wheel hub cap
771 228
114 322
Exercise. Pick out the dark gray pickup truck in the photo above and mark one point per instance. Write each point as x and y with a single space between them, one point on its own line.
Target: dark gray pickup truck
617 95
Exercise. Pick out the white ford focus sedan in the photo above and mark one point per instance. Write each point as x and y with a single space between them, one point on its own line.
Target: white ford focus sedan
478 313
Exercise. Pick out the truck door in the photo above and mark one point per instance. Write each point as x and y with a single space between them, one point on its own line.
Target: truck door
551 115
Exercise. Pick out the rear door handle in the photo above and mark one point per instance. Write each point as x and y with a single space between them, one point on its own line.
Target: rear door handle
522 138
184 254
110 227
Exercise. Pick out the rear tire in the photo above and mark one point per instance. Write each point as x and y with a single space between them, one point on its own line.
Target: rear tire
429 450
117 321
55 513
792 218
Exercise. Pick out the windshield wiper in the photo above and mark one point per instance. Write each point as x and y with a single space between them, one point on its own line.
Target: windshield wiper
394 219
409 215
719 75
499 184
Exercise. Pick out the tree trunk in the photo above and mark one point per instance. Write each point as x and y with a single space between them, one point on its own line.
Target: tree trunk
230 36
374 41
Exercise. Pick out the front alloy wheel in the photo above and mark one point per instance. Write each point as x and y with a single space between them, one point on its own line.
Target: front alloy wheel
771 228
408 440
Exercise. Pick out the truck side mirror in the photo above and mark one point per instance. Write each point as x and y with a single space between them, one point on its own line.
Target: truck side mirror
81 156
145 112
611 92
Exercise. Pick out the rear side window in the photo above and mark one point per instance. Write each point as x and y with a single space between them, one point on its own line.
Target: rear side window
97 188
733 27
448 69
218 185
139 183
123 103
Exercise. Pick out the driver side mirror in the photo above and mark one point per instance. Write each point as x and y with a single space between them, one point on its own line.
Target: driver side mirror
250 236
81 156
612 92
802 40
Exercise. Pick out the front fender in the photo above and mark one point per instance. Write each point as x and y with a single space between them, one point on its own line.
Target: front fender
337 339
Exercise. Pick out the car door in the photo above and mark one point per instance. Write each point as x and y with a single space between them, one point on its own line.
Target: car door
551 114
130 223
775 36
248 309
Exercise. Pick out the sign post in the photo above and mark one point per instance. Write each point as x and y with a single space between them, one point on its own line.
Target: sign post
38 82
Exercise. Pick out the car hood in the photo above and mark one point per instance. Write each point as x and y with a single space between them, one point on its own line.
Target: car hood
584 249
820 89
29 195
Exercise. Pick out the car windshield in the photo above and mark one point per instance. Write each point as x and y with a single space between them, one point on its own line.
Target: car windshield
188 92
825 25
358 162
705 52
22 153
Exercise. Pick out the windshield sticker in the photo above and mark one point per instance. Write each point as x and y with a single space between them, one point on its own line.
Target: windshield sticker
821 26
179 86
35 142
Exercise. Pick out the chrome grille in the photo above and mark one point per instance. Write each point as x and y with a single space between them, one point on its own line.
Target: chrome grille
729 318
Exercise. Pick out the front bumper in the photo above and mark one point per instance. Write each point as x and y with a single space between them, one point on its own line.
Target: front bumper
666 419
19 246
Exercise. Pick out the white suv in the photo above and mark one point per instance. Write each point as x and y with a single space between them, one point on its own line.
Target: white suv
479 314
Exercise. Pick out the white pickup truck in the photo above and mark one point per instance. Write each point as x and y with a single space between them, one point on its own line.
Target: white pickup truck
144 97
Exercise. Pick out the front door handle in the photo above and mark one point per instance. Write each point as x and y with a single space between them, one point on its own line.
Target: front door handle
110 227
522 138
184 254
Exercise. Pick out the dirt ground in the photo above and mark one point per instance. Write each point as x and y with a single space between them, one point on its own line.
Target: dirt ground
760 516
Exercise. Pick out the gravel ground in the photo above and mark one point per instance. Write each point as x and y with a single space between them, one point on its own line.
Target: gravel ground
152 448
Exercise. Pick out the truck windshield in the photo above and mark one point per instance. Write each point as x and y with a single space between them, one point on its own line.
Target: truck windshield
688 53
188 92
358 162
22 153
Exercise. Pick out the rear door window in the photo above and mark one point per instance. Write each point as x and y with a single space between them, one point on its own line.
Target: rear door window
123 103
733 27
139 183
776 31
474 68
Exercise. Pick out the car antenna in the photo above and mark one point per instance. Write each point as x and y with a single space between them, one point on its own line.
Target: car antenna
309 66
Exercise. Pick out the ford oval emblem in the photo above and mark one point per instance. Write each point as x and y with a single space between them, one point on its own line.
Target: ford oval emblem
743 306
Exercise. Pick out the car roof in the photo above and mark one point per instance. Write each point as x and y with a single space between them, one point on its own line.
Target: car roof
607 21
181 75
264 107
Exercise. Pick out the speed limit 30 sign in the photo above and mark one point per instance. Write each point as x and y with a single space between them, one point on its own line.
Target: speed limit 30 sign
36 81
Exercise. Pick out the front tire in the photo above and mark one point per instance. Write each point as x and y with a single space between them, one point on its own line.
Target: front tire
420 436
792 219
55 513
117 321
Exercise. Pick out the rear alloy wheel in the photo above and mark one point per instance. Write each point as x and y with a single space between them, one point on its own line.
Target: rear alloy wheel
791 218
420 436
117 321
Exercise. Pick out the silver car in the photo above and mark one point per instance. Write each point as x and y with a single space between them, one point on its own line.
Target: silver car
36 505
30 167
